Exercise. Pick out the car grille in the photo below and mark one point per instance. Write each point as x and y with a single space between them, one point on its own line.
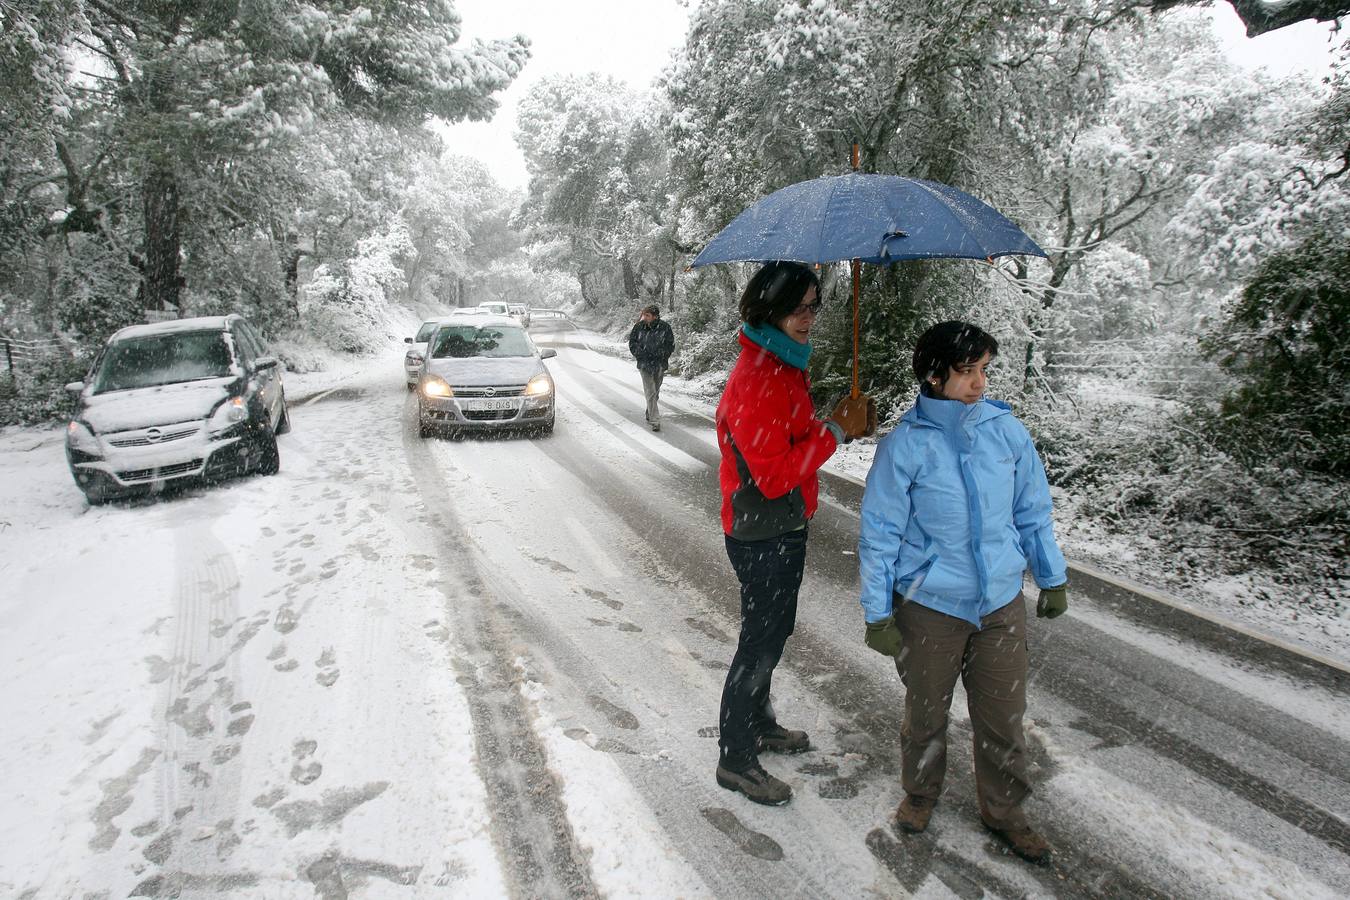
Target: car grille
142 439
513 391
488 415
162 472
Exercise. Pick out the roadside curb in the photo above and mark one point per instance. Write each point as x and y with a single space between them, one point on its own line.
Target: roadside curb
1340 671
1165 614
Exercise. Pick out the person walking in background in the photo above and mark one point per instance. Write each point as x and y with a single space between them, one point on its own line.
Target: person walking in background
956 508
772 444
651 342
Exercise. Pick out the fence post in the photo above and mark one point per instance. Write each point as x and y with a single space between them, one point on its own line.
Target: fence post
9 357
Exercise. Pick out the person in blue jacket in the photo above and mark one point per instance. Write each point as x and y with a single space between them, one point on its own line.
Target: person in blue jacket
956 509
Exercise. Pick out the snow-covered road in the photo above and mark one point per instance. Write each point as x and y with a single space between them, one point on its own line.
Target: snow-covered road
491 667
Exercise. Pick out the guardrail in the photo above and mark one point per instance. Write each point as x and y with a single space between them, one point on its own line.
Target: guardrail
19 354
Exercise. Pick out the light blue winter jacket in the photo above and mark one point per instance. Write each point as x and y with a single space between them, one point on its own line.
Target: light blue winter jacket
957 507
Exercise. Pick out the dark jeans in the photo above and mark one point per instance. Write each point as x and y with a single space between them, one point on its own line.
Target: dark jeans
770 573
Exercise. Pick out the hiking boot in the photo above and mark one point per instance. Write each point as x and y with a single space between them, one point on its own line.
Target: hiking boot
1025 842
756 784
913 813
782 740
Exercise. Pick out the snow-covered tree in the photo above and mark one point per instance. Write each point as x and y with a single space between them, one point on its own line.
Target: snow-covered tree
598 167
194 99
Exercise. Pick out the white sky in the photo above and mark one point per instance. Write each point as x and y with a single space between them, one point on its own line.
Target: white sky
628 39
632 40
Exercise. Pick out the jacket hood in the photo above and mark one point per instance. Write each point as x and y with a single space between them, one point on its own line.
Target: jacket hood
165 404
480 370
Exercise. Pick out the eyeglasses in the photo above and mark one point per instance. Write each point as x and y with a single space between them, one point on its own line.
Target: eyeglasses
803 308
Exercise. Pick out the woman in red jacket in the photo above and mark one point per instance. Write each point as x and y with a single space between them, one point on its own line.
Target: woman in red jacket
772 444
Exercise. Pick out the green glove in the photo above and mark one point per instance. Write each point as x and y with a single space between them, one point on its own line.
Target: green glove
1053 601
884 636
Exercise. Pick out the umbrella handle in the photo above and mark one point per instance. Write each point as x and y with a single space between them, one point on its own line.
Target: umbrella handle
857 289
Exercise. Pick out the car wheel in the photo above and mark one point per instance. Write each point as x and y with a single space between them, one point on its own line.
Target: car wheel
284 425
269 462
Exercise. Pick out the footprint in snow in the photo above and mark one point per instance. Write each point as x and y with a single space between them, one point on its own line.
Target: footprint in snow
328 670
617 715
748 841
305 770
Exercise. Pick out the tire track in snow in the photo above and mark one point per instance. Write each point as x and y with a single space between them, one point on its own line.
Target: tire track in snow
529 819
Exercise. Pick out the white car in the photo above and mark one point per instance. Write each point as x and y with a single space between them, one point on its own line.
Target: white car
415 358
186 398
495 308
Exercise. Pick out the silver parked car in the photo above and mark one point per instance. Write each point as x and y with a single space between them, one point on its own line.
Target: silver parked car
484 373
173 400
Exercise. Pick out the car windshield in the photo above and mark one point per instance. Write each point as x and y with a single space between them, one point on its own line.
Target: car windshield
463 341
424 333
163 359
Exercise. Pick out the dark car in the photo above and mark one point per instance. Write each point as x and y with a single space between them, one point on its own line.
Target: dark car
187 398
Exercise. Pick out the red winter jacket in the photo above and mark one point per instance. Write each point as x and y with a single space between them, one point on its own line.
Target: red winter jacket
772 444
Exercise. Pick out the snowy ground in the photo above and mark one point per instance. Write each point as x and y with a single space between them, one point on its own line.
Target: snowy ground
491 667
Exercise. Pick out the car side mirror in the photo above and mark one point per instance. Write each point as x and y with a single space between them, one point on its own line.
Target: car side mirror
548 353
75 388
407 340
265 362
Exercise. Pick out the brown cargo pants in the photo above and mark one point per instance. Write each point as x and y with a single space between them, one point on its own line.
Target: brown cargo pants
992 663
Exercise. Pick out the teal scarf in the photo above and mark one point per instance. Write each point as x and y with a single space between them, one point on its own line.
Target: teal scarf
779 344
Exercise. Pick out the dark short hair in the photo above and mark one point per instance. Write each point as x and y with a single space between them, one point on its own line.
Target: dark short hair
653 309
775 291
947 345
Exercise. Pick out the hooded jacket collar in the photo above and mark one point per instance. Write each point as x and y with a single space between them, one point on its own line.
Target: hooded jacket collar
956 419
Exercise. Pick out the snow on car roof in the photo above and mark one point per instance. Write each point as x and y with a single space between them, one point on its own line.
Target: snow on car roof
172 326
479 318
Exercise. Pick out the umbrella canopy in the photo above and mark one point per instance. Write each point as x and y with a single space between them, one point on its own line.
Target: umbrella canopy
872 218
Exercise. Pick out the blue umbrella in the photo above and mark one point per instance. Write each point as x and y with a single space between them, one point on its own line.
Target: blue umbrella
866 218
870 218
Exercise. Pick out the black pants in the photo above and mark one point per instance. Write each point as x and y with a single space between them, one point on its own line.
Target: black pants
770 573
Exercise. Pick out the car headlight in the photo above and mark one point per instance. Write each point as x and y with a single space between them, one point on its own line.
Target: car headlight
538 386
227 415
437 387
80 436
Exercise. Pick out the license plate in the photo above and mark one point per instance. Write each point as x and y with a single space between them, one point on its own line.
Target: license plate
499 404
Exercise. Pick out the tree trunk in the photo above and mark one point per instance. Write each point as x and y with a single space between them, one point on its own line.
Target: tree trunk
1060 267
585 294
630 282
161 277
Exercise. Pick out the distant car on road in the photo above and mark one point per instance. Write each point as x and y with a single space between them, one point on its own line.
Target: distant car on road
496 308
186 398
484 373
417 350
520 312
